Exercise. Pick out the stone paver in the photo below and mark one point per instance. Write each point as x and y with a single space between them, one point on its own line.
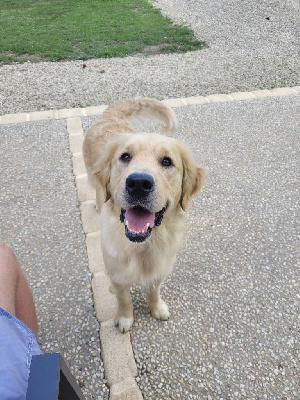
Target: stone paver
125 390
259 94
96 263
41 115
95 110
242 96
117 354
85 189
196 100
14 118
74 126
71 113
174 103
78 164
285 91
76 141
105 299
219 98
89 217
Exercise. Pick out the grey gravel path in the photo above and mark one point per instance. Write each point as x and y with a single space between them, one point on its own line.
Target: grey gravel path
40 220
251 45
234 292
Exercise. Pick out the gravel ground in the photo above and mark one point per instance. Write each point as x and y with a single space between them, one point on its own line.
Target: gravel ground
251 45
234 292
40 220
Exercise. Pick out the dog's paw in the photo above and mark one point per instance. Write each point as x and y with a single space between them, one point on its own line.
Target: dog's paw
160 310
124 323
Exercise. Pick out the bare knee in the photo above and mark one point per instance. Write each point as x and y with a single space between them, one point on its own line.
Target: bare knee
15 295
8 259
4 248
9 275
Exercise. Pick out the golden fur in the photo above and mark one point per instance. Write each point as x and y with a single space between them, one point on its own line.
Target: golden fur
106 149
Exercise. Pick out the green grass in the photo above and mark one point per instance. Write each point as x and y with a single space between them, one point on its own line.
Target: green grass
83 29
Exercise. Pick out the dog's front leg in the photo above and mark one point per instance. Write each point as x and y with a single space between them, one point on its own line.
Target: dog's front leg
124 318
158 307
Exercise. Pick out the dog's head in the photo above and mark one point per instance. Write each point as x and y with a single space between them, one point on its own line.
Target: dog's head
147 176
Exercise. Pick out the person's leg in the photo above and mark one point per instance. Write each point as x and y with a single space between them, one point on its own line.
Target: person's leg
15 295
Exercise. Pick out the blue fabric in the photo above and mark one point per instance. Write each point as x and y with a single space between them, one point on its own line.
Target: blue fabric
17 346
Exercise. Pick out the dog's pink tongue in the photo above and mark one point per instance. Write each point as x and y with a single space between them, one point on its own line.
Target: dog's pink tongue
138 219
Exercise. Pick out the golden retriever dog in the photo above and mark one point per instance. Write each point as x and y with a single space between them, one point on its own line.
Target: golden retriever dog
143 185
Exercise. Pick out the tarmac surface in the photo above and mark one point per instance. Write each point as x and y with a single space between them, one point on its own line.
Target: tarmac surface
40 220
234 292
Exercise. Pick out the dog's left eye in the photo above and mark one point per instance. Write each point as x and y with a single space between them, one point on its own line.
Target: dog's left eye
166 162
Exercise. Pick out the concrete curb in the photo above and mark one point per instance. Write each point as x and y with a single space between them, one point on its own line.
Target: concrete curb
77 113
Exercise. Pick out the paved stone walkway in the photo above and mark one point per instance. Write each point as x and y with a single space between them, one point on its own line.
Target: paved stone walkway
233 293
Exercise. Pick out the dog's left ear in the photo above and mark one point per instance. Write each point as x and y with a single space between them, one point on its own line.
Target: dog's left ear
193 177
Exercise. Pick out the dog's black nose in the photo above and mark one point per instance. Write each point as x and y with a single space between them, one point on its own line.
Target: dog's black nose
139 184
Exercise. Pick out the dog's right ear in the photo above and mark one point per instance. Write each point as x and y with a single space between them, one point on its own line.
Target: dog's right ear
101 172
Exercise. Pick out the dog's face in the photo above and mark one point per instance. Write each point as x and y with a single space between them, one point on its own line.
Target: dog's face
147 176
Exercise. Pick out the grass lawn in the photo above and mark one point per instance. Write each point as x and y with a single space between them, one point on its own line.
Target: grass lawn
81 29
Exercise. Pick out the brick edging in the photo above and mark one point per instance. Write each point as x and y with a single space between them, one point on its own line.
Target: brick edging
119 364
188 101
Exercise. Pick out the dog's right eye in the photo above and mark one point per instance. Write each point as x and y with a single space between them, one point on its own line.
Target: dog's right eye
125 157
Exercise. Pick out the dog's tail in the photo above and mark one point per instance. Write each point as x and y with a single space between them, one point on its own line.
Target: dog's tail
144 107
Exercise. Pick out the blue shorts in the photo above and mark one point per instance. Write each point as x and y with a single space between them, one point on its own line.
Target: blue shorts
17 346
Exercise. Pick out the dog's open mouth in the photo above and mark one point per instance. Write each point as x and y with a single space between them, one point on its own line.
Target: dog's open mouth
139 222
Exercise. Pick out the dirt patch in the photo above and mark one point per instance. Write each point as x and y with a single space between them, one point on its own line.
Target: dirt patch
156 49
9 58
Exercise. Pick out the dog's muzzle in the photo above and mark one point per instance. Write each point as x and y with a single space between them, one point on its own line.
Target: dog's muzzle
137 217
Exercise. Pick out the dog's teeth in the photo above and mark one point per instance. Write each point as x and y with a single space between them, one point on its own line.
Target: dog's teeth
126 222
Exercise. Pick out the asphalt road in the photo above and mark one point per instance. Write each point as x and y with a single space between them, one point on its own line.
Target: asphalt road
234 292
40 220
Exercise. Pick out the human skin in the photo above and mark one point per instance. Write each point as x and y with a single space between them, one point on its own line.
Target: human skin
15 295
